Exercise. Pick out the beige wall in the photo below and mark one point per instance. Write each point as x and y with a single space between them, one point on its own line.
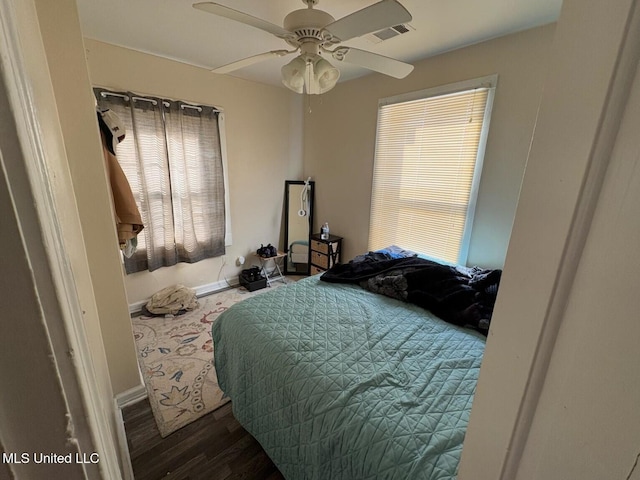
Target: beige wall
45 405
591 394
558 390
264 132
29 377
340 138
62 189
583 426
60 28
265 147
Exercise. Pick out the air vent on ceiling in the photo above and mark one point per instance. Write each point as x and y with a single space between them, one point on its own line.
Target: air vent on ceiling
388 33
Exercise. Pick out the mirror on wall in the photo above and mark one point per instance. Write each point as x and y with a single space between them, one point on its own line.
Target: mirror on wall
298 215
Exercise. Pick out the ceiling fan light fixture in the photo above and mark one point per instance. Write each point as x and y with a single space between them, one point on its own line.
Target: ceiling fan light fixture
326 75
293 74
313 75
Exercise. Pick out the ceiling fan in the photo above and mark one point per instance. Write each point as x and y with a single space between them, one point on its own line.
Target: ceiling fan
314 33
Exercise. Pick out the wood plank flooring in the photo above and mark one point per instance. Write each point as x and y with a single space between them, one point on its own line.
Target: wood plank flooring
214 447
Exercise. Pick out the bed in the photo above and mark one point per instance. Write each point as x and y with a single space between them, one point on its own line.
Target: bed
338 382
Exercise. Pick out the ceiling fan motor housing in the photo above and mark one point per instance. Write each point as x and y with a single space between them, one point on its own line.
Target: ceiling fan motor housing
307 24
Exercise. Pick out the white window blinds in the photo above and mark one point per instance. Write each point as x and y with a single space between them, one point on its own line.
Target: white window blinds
427 163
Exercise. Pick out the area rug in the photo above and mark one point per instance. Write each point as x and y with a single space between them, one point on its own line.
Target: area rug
176 360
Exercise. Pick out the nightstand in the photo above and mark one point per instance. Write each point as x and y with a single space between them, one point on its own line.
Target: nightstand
324 253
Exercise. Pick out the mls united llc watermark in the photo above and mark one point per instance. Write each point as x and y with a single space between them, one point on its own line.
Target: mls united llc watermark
53 458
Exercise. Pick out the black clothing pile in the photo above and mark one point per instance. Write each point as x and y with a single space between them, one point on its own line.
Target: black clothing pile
462 296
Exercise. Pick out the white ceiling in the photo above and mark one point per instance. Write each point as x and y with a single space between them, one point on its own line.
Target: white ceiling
175 30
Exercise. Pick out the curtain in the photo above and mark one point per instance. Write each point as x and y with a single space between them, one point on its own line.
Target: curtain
172 158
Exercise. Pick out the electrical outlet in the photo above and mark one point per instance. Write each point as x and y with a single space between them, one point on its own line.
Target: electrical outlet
240 261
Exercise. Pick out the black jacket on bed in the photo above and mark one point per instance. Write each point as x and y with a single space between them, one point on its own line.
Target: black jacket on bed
463 297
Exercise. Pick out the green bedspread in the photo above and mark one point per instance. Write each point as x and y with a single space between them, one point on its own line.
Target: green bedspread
339 383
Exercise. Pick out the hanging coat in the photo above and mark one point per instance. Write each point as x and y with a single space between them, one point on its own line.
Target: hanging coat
127 216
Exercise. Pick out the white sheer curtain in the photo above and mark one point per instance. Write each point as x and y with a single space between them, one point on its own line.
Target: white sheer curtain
172 159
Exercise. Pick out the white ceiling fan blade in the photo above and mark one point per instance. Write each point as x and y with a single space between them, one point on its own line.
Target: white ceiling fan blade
373 61
241 17
386 13
245 62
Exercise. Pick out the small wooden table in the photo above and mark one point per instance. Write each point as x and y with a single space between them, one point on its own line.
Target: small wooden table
276 273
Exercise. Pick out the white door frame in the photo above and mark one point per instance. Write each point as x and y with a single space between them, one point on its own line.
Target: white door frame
89 424
511 378
593 63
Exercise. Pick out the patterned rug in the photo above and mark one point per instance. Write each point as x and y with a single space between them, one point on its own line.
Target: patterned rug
176 359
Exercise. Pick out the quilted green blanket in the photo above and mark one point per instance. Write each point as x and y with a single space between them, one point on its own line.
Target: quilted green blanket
336 382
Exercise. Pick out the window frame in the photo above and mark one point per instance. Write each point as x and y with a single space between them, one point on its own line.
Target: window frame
489 82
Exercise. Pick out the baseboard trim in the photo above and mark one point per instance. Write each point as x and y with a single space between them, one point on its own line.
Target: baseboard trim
210 288
121 433
201 291
122 400
135 308
131 396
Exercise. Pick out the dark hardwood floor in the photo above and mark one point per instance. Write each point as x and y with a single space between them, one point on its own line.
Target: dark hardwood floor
214 447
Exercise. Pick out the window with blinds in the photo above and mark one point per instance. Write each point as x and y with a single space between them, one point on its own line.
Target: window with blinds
428 160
